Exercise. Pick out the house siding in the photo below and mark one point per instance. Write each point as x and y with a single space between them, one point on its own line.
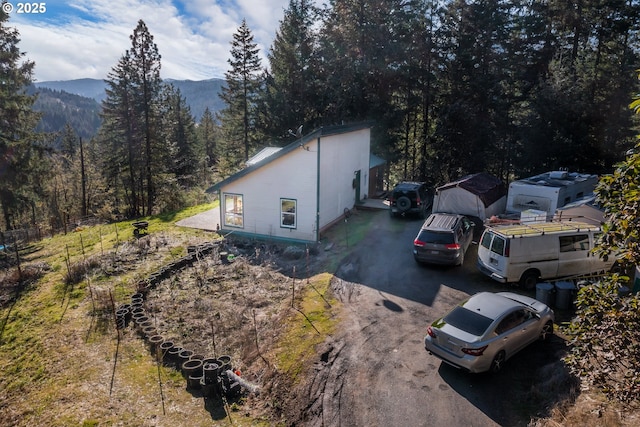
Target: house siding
291 177
340 156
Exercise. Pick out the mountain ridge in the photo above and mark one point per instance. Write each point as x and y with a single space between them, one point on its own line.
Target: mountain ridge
199 94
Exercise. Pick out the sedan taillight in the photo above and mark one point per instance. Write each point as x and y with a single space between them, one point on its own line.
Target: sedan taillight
474 351
431 332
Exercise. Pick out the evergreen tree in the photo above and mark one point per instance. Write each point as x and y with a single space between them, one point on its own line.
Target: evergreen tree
578 117
69 142
208 135
130 122
181 149
146 78
475 105
121 139
363 46
291 84
243 83
20 152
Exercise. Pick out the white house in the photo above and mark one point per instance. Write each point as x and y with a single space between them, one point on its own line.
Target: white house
296 192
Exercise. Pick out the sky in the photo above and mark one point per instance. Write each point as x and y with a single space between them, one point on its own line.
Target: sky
73 39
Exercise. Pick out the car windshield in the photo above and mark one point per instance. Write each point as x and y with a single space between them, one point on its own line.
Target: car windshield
435 237
471 322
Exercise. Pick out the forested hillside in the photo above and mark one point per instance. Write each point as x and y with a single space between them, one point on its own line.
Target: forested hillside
59 108
452 87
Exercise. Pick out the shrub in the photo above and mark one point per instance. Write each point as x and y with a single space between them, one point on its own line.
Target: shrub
605 340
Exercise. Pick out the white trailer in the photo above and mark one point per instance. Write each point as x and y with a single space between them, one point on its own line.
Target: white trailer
548 191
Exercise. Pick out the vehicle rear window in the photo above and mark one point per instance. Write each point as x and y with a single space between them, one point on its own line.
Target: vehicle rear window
436 237
486 240
469 321
496 245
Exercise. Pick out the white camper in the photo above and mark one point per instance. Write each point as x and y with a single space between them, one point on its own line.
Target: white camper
527 253
548 191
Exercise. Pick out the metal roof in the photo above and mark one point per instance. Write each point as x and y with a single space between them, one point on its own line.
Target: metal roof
262 154
375 161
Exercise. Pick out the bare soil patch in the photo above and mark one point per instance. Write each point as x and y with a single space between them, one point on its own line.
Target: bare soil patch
234 300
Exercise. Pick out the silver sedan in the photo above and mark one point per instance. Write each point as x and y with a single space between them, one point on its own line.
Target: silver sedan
487 329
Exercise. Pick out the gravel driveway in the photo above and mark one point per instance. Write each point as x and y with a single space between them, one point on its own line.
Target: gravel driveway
208 220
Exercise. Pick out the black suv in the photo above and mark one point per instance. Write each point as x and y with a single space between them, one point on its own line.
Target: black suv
410 198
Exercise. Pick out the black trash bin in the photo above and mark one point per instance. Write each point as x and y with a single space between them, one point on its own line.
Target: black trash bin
545 293
565 291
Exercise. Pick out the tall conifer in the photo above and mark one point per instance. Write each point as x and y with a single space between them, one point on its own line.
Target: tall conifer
243 82
130 122
19 150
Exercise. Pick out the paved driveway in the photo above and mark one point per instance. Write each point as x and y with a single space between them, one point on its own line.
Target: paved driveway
209 220
378 373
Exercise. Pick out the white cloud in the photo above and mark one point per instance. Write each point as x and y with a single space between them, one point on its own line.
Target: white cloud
194 45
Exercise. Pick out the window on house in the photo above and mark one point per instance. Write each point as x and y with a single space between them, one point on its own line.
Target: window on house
288 213
233 210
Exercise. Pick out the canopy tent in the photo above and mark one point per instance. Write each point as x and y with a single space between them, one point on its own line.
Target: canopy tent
478 195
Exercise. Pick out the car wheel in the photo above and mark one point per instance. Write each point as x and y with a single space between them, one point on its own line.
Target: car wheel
498 361
529 279
403 203
547 331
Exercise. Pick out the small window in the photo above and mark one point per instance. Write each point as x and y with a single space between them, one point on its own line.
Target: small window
288 217
435 237
574 243
233 210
